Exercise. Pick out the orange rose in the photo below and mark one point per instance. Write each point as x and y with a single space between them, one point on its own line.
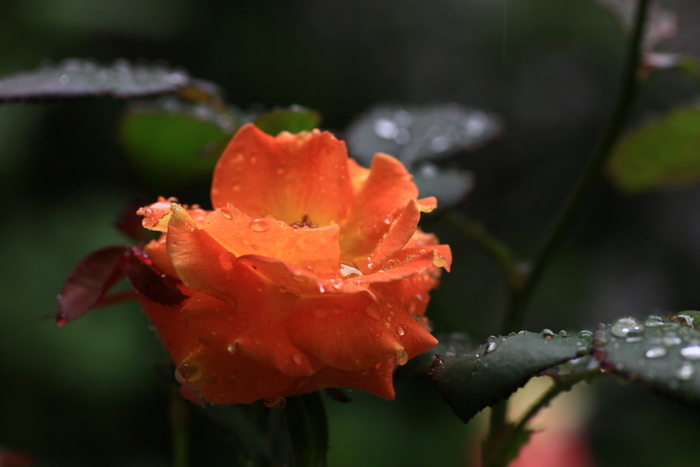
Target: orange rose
310 272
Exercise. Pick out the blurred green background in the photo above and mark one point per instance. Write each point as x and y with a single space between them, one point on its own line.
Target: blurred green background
90 394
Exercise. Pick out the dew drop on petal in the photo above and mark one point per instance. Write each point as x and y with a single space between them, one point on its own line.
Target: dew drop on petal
438 259
226 212
401 356
320 312
346 270
187 372
231 348
298 359
226 260
400 331
259 225
373 311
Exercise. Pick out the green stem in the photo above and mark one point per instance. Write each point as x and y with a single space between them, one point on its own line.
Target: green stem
553 392
180 429
520 297
516 313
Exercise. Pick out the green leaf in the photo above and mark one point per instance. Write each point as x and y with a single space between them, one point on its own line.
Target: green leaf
495 370
82 78
294 120
659 353
175 144
308 430
663 154
420 366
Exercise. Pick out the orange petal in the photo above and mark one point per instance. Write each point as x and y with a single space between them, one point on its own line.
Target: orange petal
315 248
377 379
255 327
339 331
400 233
293 178
384 194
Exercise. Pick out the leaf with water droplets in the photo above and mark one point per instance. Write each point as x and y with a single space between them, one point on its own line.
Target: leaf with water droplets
660 353
665 153
171 143
413 133
493 371
294 120
74 78
88 282
449 347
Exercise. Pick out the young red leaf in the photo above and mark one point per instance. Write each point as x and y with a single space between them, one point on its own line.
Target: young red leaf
88 282
148 282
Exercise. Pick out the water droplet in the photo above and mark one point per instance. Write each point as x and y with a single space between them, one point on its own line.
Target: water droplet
401 356
547 333
231 348
349 271
654 321
685 372
320 312
669 340
275 402
260 287
627 327
226 260
655 352
187 372
692 352
298 359
226 212
563 333
439 260
63 80
491 346
373 311
392 263
259 225
633 339
400 331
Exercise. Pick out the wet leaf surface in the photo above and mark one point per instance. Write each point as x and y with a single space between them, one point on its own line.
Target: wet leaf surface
660 353
414 133
493 371
74 78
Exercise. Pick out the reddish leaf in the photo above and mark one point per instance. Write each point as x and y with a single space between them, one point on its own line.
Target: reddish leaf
88 282
150 283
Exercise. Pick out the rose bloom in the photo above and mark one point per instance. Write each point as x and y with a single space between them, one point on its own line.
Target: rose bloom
309 272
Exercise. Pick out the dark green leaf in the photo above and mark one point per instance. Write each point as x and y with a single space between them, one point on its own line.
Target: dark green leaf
449 186
659 353
413 133
663 154
495 370
308 430
82 78
293 120
175 143
419 366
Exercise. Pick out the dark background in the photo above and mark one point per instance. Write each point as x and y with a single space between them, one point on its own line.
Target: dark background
89 394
